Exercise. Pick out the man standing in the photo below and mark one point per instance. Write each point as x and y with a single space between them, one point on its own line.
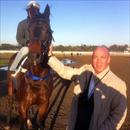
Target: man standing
99 101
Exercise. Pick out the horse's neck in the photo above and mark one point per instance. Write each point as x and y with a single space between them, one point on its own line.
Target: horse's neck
38 70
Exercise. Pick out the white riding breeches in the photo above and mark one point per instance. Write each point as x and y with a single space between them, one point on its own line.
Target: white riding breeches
20 55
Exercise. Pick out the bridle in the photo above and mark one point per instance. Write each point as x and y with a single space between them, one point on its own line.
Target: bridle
44 43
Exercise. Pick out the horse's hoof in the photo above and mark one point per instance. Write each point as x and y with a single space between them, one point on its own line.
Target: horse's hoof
40 129
29 125
6 127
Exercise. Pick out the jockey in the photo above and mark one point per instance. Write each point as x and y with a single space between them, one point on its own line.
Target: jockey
22 36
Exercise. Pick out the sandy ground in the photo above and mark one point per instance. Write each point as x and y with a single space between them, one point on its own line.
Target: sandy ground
60 101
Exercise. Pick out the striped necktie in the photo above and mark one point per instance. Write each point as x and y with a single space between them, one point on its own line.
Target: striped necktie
94 81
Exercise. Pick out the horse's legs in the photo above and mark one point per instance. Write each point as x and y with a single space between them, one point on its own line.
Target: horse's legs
10 85
23 111
9 123
10 101
41 115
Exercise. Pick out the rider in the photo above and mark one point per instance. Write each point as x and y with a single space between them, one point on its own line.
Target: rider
22 36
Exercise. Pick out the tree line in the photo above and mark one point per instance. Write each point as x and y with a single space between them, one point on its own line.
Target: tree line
82 47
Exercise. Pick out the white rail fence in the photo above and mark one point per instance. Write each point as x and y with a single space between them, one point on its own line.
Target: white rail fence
72 53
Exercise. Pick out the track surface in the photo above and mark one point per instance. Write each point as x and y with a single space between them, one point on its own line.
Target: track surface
62 94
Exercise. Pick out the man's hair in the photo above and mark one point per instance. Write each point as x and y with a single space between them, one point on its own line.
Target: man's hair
103 47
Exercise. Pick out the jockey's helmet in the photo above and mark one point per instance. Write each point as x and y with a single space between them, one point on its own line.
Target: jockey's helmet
32 8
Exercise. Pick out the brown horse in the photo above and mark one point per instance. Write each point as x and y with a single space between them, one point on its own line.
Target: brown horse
35 85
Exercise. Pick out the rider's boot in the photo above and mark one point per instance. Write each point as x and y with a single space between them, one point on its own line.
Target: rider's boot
15 68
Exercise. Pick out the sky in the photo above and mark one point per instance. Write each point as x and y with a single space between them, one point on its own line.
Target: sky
74 22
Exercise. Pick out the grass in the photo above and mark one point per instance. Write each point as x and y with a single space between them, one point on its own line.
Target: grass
4 58
3 62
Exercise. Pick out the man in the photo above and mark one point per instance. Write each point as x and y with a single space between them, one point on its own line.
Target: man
99 101
22 36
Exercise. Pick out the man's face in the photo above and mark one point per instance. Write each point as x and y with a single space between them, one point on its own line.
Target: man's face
32 12
100 59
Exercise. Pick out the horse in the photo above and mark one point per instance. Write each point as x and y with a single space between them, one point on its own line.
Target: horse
34 86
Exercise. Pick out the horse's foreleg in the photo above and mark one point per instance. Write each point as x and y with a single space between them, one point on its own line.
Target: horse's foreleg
8 123
23 107
42 111
10 95
10 101
10 85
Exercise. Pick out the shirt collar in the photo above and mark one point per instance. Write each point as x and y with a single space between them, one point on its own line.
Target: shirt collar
101 74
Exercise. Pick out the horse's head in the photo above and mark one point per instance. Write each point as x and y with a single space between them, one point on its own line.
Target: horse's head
40 37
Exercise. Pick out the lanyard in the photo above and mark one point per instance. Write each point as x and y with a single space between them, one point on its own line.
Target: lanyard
99 80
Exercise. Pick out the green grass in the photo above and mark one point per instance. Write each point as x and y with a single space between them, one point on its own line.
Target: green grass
3 62
4 58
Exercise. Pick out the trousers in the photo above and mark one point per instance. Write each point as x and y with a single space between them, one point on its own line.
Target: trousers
20 55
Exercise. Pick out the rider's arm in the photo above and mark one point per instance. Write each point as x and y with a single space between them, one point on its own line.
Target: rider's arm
22 33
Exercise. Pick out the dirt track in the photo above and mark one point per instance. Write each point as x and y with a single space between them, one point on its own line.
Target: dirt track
62 94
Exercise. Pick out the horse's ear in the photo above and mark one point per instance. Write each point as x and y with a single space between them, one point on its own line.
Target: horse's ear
47 11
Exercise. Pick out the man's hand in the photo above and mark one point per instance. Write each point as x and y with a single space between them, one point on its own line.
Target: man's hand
50 50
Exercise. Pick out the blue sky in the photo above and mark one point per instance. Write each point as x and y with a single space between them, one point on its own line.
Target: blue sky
74 22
